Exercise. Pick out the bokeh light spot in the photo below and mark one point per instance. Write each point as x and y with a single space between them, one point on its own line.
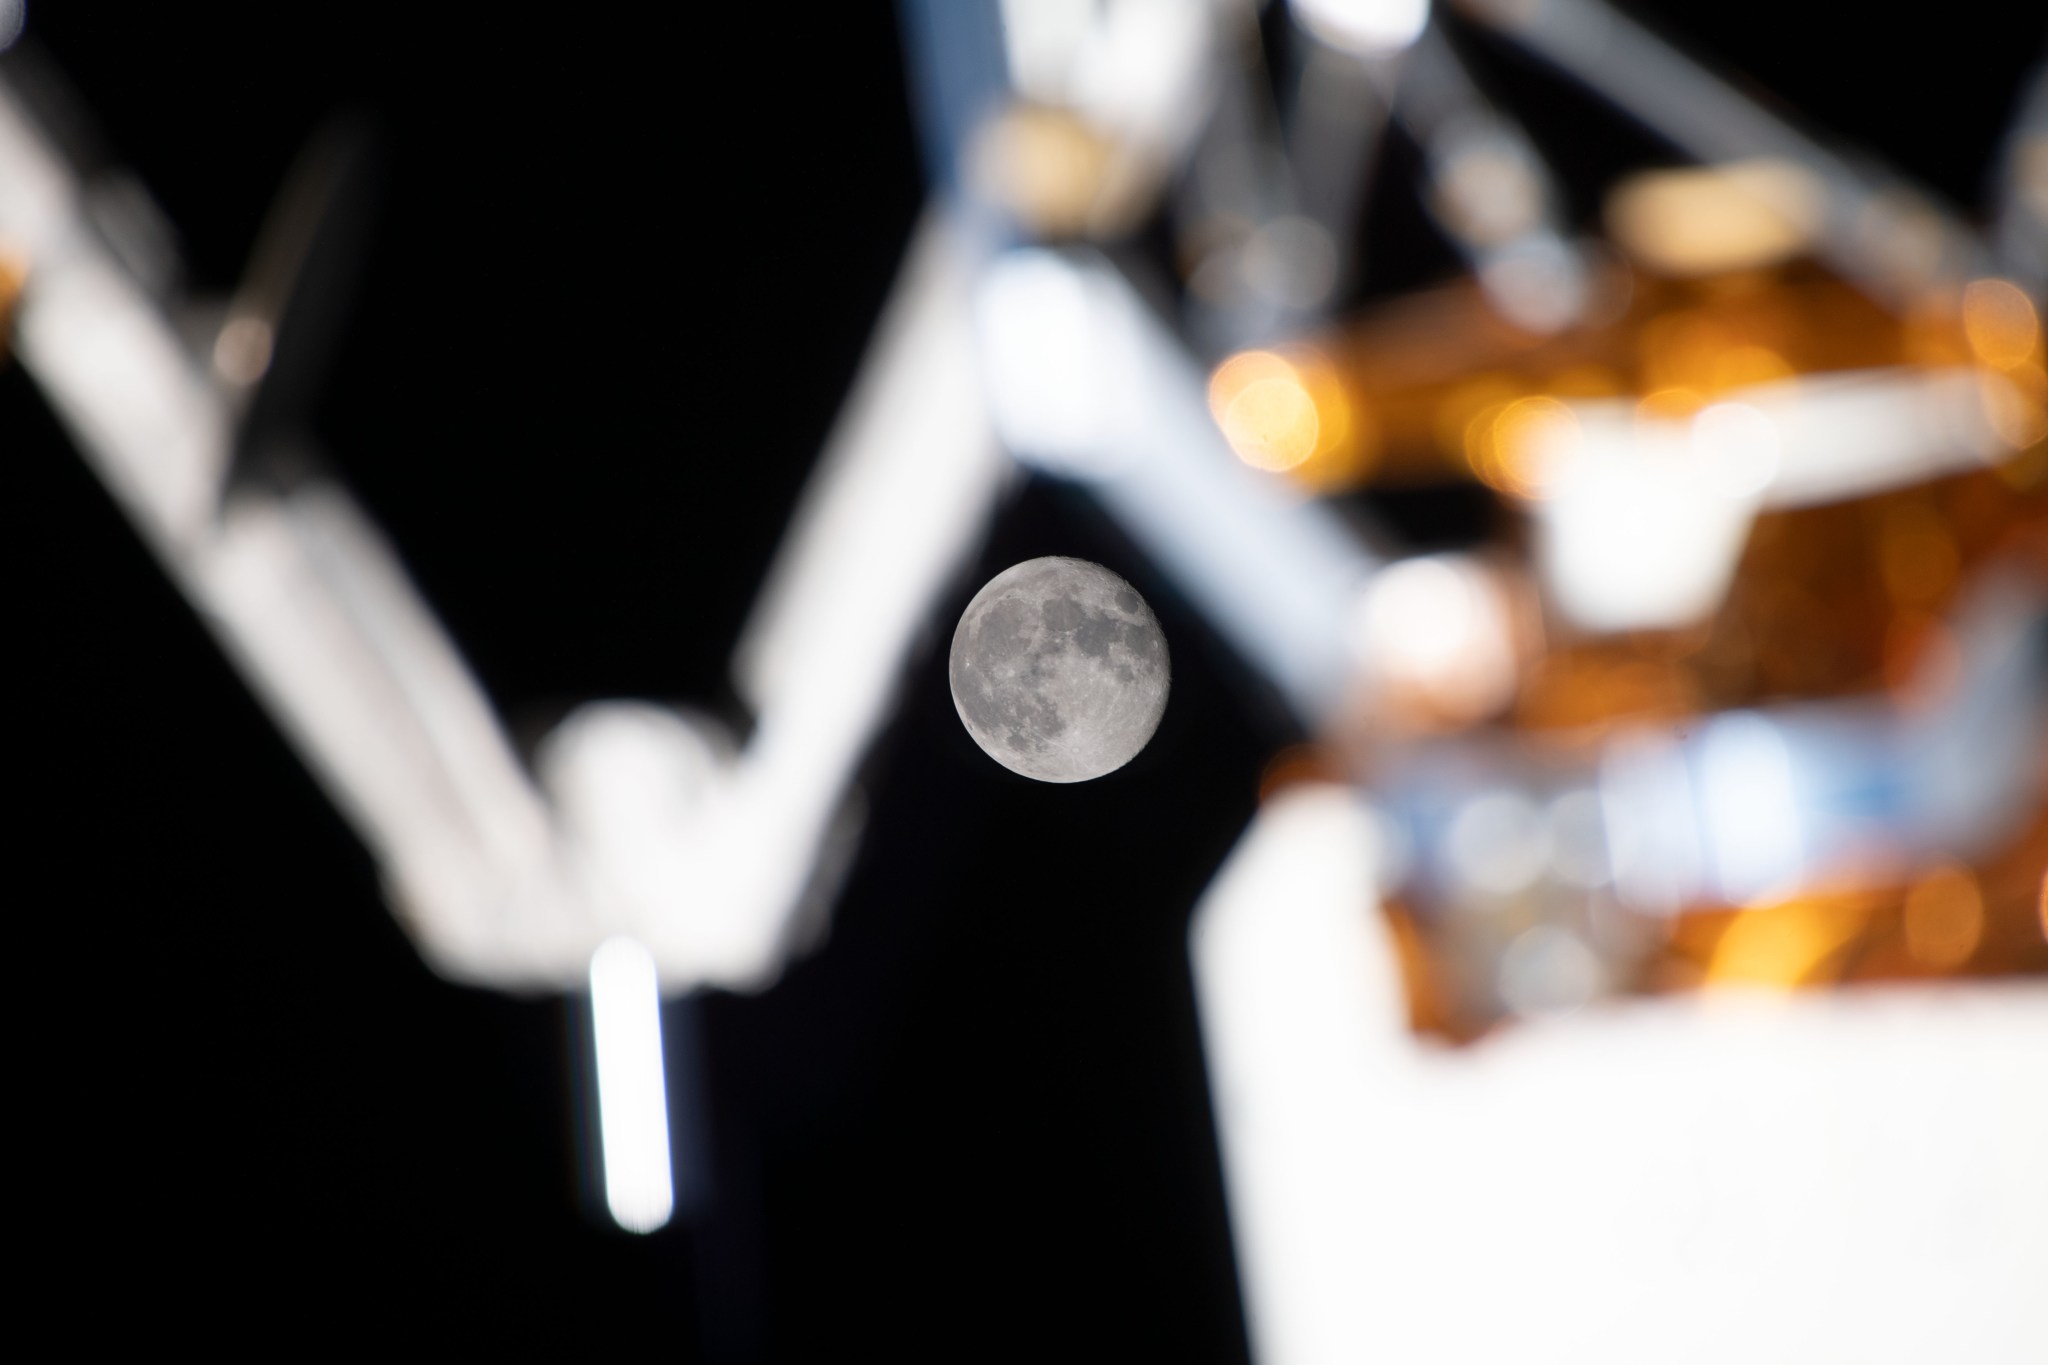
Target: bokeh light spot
1944 918
2000 322
1783 945
1280 411
1522 449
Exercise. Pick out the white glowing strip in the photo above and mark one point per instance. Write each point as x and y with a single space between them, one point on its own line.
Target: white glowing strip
632 1093
1087 384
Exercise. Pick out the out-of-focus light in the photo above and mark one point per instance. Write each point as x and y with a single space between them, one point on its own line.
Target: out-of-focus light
13 15
1578 839
1045 166
1537 283
1367 27
1433 635
1057 360
1263 403
241 353
1498 843
1944 918
1265 410
1454 423
1783 946
1694 350
1750 806
1392 848
1547 970
1290 260
1287 412
1520 449
2015 404
632 1093
1710 219
1487 189
1652 834
2000 322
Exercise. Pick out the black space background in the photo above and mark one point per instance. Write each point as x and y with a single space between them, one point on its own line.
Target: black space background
624 271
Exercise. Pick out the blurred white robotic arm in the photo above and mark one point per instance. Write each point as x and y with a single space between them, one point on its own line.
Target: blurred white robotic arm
667 836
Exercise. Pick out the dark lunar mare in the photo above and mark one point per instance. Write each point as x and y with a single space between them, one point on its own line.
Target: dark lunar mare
1059 670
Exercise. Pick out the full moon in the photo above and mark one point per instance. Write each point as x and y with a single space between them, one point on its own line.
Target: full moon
1059 670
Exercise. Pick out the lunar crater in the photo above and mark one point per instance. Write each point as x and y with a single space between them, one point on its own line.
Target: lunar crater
1059 670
